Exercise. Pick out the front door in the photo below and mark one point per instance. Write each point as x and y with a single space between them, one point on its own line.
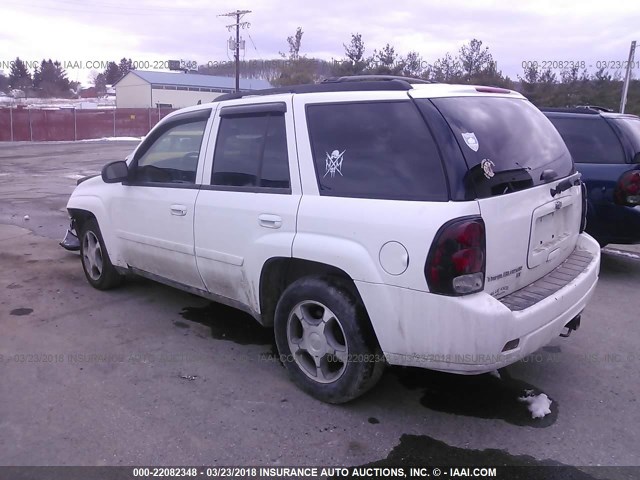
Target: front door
153 212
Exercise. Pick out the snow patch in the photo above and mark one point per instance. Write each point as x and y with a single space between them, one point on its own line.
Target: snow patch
538 405
113 139
622 253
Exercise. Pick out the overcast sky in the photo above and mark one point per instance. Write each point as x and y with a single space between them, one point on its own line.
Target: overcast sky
155 30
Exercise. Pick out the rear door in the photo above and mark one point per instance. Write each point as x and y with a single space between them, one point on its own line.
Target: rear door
523 177
246 209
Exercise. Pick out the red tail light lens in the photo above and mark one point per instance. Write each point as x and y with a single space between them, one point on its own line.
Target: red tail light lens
456 262
628 189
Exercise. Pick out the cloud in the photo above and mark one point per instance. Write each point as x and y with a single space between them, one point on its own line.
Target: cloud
151 30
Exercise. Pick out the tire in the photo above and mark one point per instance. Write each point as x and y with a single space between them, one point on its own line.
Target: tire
96 264
325 340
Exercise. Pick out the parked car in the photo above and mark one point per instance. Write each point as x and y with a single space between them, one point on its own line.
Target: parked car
369 221
606 149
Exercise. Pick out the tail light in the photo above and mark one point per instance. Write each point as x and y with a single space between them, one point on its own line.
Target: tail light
456 262
583 221
628 189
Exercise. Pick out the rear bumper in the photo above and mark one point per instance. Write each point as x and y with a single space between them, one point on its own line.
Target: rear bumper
468 334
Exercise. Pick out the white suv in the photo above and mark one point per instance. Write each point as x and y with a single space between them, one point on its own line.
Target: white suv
369 221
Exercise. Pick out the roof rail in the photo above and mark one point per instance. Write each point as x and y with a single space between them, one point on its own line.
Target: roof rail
595 107
364 78
581 110
339 84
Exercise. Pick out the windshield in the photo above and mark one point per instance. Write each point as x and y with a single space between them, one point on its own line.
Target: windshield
631 128
507 143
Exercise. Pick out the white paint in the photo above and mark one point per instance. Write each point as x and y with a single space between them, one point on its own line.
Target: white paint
221 245
538 405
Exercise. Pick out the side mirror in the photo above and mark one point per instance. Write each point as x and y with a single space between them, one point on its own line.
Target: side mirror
115 172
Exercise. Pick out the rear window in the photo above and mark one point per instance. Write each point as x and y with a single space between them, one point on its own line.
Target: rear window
375 150
631 128
507 143
590 139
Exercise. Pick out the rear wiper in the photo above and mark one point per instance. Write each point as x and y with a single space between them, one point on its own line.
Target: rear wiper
566 184
500 183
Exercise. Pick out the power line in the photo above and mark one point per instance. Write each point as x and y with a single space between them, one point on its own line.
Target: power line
238 14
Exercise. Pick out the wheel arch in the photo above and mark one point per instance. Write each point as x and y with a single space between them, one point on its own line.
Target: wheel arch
280 272
83 207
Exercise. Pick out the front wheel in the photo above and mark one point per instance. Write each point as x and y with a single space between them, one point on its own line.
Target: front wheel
326 341
96 264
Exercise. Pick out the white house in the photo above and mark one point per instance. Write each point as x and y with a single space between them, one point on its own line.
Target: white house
142 89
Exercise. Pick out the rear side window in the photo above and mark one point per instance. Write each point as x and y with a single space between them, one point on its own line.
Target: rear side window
375 150
507 143
630 128
590 139
251 151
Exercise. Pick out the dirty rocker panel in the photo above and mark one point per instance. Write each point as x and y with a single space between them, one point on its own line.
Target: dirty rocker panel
196 291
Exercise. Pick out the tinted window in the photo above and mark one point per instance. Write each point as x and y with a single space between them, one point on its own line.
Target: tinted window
375 150
251 151
630 127
590 139
507 142
173 157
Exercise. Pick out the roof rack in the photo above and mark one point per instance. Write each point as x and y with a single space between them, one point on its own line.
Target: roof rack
339 84
382 78
581 110
595 107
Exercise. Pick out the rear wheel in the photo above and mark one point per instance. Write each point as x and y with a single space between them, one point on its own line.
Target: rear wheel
325 339
96 264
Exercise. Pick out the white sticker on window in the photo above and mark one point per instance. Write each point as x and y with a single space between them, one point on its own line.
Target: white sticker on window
471 141
487 167
334 163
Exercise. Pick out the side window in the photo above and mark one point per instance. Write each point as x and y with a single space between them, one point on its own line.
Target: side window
251 151
173 157
590 140
375 150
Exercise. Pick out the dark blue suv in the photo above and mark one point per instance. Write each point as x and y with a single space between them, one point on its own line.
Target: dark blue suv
606 148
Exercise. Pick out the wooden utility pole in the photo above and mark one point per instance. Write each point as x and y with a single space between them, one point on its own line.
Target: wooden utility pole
238 14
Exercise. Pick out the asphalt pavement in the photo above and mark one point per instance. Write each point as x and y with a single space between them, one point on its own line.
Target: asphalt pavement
149 375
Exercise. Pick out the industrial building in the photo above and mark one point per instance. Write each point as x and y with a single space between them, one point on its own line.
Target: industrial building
142 89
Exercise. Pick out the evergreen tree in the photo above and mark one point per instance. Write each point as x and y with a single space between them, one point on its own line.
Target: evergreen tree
125 66
476 62
385 62
4 83
355 63
19 76
112 73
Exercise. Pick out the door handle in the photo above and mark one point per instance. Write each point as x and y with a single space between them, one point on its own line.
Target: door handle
179 210
270 221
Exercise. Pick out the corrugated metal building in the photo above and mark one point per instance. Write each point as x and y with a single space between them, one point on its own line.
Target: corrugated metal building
141 89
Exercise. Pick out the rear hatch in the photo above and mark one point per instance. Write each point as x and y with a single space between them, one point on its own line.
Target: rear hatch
523 176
